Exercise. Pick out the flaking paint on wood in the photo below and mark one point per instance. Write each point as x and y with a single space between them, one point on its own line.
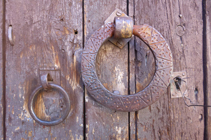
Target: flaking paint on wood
44 41
169 118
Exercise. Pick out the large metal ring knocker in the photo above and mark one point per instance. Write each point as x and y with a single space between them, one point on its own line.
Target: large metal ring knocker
48 87
122 27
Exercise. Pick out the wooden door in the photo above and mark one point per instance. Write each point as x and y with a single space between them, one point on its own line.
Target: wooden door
49 37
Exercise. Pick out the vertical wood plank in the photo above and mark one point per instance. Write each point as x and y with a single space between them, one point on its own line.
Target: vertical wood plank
112 70
48 36
132 70
208 65
1 72
169 118
132 75
142 69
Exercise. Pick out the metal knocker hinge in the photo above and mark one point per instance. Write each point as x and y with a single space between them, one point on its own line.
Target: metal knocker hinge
117 40
120 28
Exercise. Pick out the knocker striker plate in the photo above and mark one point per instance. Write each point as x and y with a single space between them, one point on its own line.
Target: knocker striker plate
48 87
156 88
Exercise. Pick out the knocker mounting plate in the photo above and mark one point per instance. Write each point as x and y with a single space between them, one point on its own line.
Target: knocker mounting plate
121 42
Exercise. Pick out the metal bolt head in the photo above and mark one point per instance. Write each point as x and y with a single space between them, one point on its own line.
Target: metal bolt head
180 15
118 13
180 30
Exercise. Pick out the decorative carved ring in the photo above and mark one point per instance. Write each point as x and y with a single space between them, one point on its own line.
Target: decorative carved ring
156 88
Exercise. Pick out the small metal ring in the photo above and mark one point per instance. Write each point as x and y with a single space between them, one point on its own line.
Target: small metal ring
49 123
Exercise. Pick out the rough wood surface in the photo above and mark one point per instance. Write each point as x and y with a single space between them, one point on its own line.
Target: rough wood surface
170 118
112 70
208 65
132 75
48 36
1 74
142 69
47 39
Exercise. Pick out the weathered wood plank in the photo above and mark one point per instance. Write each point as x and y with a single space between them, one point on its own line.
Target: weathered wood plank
1 72
142 69
47 37
132 76
170 118
112 70
208 65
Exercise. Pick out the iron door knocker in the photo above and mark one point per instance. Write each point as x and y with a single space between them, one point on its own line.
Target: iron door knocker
123 28
48 87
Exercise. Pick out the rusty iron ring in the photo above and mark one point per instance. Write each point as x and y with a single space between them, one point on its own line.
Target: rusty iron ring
156 88
48 86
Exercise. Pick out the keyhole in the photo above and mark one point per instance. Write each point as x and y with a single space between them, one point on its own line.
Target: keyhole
177 82
76 32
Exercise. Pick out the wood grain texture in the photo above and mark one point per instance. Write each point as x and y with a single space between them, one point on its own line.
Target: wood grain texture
142 69
48 37
112 70
170 118
132 75
1 73
208 65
